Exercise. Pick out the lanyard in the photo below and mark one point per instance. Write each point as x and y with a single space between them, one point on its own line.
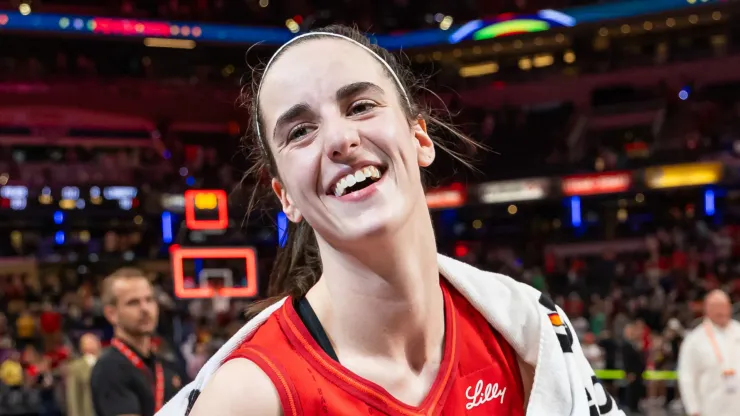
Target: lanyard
715 346
136 361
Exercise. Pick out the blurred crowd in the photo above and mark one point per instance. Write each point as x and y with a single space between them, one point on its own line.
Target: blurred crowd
77 166
668 130
629 308
48 325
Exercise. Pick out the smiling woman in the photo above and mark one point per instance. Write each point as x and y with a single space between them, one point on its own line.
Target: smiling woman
298 266
365 316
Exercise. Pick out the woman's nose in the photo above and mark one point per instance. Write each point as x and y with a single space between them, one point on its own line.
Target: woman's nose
341 142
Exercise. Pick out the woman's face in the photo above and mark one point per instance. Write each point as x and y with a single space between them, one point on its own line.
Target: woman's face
330 110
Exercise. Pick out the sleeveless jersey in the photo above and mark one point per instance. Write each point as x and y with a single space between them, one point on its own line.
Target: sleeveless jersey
479 373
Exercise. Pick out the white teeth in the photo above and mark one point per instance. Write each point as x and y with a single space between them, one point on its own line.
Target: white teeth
351 180
356 177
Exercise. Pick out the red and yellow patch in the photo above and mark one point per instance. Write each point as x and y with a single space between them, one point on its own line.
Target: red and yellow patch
555 319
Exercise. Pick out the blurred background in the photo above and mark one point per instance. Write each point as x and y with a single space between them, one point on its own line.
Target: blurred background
613 185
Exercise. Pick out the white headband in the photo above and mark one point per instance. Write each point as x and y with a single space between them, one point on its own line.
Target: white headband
336 35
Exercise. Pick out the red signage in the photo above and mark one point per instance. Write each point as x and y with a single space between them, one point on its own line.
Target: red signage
604 183
452 196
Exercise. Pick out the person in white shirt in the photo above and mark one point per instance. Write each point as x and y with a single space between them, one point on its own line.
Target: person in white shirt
593 352
709 361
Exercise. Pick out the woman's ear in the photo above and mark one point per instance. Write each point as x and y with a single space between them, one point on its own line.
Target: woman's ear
425 145
289 208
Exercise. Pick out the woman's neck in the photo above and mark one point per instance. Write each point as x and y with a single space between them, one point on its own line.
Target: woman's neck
385 298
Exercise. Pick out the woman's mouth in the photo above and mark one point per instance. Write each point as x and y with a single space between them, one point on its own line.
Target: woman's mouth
356 181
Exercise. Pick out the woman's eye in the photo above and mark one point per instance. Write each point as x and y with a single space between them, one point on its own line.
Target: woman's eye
361 107
298 132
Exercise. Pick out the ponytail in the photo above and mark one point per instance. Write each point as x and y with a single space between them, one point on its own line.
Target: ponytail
296 269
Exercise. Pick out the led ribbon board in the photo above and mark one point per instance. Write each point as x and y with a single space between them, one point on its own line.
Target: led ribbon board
512 24
232 34
687 174
190 286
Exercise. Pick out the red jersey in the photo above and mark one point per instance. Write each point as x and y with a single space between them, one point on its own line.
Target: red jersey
479 373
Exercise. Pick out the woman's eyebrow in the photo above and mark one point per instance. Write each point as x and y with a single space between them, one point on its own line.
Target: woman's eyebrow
293 113
357 88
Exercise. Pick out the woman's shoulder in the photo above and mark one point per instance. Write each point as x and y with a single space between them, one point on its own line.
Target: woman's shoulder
225 393
238 387
265 334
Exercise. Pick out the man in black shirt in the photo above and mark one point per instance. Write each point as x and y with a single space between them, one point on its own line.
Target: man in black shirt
128 379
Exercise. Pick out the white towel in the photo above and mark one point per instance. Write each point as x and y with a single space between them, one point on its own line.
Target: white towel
564 383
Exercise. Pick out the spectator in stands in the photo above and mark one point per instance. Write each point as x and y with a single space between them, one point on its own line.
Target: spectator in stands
25 327
597 317
593 352
79 394
658 356
580 324
196 354
11 371
709 361
6 341
630 358
31 360
46 385
50 325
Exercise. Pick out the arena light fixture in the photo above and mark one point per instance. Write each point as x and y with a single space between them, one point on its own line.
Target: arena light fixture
169 43
480 69
575 211
167 233
24 9
709 206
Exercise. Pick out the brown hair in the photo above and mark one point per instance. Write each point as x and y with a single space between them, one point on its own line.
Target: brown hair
107 296
297 266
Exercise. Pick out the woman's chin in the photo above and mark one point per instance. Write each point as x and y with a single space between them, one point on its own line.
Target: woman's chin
370 225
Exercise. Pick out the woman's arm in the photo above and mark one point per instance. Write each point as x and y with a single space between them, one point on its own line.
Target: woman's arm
239 387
